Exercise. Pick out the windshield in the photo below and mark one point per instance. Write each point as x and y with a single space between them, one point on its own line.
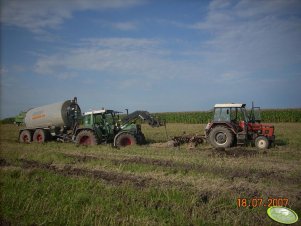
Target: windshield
222 114
108 118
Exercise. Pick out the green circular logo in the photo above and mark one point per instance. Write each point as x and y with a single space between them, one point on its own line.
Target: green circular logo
282 215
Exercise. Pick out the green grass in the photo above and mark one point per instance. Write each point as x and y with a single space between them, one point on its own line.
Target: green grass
63 184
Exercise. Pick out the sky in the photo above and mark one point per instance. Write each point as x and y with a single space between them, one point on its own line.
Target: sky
160 56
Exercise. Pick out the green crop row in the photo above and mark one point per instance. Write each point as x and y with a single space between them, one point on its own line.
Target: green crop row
271 115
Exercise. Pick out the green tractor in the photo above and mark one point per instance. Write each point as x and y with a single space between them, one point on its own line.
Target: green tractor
19 119
105 126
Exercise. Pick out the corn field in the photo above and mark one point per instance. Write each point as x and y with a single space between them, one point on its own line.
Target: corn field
269 115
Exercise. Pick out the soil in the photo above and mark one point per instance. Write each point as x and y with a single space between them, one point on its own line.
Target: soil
228 173
115 178
234 152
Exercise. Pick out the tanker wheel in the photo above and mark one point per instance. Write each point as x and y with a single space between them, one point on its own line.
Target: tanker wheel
25 136
261 142
125 139
40 136
221 137
86 137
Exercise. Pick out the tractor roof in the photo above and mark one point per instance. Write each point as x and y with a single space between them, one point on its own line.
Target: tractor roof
230 105
95 112
101 111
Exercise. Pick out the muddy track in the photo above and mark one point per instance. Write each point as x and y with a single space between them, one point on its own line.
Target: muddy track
115 178
253 176
118 178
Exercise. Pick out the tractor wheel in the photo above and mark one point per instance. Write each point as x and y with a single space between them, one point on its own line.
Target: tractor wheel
261 142
86 137
125 139
25 136
221 137
40 136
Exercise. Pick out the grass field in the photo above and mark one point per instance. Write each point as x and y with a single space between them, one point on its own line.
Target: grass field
63 184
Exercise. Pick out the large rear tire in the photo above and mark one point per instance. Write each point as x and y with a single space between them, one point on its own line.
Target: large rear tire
40 136
25 136
262 142
86 137
125 139
221 137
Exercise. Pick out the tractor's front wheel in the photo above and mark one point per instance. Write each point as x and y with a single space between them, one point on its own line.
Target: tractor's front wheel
86 137
125 139
262 142
221 137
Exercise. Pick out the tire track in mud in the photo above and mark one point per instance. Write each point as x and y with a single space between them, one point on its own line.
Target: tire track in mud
204 194
252 175
115 178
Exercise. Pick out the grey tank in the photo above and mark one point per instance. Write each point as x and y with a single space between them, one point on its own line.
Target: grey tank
53 115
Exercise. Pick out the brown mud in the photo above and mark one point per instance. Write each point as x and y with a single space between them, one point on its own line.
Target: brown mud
253 175
115 178
141 182
233 152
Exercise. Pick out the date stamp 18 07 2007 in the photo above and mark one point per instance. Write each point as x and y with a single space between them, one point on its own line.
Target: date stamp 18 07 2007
261 202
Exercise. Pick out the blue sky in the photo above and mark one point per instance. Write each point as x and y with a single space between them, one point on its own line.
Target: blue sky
152 55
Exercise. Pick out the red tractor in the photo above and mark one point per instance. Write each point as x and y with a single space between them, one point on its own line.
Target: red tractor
232 125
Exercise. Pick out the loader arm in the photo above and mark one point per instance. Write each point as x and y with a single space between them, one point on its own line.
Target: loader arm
145 116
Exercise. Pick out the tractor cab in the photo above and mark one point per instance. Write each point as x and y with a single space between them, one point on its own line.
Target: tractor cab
104 122
233 115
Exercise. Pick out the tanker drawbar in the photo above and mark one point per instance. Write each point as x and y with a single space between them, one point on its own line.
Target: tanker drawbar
51 121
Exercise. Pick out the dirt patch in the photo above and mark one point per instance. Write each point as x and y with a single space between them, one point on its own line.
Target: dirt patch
233 152
4 222
251 175
115 178
168 144
3 163
142 160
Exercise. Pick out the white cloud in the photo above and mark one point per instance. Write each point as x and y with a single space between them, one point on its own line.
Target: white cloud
252 35
38 15
143 58
125 26
120 25
3 71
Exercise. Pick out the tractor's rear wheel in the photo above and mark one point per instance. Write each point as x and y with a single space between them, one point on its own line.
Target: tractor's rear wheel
262 142
40 136
25 136
86 137
125 139
221 137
